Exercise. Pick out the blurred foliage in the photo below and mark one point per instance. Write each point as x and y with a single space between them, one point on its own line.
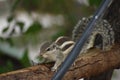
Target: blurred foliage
25 60
40 59
14 6
8 67
9 40
10 18
34 28
95 2
60 32
51 6
21 25
5 29
31 4
8 63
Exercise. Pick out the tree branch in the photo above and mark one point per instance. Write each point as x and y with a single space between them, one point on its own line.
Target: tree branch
93 63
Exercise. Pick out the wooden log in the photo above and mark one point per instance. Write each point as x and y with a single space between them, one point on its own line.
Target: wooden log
94 62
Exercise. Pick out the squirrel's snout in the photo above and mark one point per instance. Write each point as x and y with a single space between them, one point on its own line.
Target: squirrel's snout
45 56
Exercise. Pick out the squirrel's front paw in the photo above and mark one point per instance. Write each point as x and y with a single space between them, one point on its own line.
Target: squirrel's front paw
54 69
73 64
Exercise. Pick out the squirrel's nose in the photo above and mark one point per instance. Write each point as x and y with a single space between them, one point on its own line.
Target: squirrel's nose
45 56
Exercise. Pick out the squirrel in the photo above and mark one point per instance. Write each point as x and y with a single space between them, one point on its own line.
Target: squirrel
102 37
57 51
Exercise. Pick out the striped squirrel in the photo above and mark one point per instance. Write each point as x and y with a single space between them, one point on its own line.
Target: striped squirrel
57 51
102 37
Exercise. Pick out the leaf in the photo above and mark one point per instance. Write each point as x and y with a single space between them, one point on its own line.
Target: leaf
14 6
1 39
25 60
21 25
40 59
12 32
34 28
9 40
10 18
5 29
61 32
95 2
8 67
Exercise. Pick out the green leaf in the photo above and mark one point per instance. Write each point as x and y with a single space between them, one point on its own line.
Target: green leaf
34 28
61 32
95 2
21 25
9 40
10 18
14 6
25 60
5 29
12 32
1 39
8 67
41 59
27 4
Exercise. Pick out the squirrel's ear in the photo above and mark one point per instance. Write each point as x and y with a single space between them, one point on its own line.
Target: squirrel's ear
44 45
60 40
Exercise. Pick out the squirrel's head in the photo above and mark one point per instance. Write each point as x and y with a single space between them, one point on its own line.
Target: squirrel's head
49 51
43 47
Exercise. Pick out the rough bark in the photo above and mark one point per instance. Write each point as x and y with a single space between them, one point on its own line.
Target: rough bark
113 17
93 63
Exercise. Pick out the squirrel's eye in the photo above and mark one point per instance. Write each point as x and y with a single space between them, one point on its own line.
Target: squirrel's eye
48 49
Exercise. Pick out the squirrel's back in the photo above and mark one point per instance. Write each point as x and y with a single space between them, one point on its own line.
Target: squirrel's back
102 35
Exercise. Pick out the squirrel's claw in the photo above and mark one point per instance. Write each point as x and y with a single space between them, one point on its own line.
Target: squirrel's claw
54 69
